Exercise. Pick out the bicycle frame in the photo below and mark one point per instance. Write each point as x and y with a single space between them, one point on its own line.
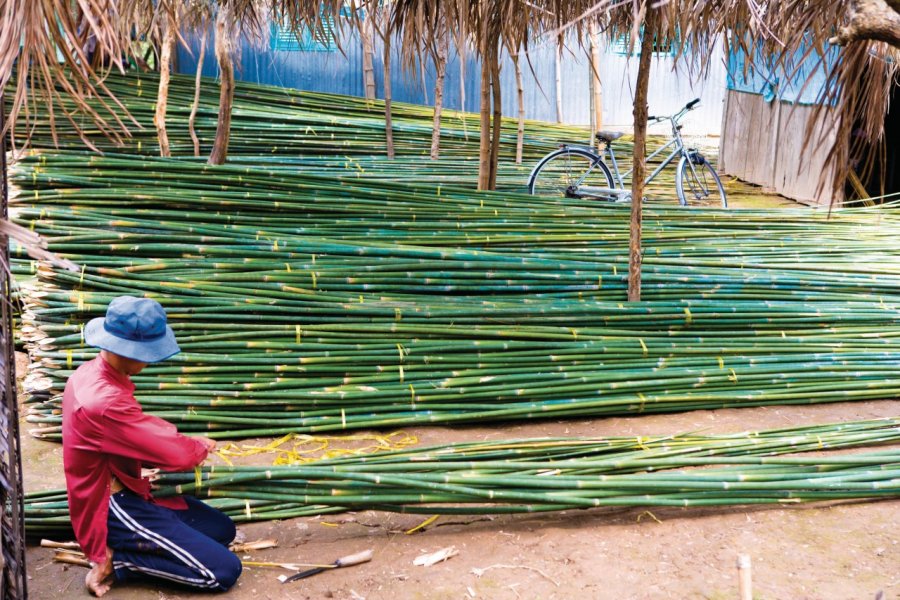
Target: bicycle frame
678 152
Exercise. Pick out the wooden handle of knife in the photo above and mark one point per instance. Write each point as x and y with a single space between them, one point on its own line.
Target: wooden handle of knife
354 559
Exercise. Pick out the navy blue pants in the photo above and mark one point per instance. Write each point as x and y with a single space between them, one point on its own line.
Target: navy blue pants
185 547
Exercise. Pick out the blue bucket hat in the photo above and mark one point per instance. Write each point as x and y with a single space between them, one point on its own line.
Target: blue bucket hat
134 328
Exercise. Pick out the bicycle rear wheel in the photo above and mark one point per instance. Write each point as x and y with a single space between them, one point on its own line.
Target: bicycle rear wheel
565 171
698 184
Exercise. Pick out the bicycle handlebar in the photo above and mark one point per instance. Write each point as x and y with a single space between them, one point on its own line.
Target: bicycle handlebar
689 106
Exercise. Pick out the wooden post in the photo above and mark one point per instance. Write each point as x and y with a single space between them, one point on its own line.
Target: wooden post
224 42
640 148
366 30
440 64
559 50
388 124
520 98
165 74
596 87
498 114
196 103
484 144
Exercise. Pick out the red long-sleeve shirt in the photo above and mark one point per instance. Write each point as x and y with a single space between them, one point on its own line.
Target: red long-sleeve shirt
105 433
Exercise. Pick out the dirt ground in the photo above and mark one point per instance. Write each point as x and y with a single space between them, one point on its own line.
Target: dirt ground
836 551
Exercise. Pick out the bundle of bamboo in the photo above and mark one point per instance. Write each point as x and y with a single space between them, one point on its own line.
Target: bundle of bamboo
514 476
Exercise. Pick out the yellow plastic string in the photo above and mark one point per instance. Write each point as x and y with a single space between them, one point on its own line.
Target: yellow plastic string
397 314
574 332
247 509
733 377
81 330
80 297
640 443
288 265
69 358
308 448
687 315
275 246
401 373
599 282
400 350
298 332
343 419
721 363
412 394
615 271
643 402
360 298
81 279
423 524
644 346
197 478
313 273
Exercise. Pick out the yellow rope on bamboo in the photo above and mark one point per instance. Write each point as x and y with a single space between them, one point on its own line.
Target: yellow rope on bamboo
296 448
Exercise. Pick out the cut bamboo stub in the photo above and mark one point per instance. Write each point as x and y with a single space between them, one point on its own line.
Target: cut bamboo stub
744 577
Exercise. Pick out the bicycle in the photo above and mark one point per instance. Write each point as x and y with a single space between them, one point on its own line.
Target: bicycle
580 172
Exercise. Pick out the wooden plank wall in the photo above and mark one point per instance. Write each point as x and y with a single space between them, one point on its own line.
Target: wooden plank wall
762 142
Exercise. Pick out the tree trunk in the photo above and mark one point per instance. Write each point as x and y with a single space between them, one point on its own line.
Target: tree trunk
596 88
498 115
440 65
224 57
559 50
165 70
520 98
196 104
640 163
366 30
388 125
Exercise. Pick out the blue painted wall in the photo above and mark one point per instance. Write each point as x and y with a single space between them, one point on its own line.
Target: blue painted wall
340 71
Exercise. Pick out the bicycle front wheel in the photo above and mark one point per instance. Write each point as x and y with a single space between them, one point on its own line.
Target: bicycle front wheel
570 172
698 184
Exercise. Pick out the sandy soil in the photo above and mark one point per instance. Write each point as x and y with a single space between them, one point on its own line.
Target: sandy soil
816 551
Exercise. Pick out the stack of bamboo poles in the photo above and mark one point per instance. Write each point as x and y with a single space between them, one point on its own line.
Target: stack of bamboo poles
515 476
275 122
318 303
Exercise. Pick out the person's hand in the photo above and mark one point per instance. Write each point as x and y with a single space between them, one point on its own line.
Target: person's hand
99 578
152 475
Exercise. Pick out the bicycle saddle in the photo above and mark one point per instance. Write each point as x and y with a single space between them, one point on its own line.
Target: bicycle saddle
608 136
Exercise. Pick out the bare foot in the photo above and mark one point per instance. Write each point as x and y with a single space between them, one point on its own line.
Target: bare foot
99 579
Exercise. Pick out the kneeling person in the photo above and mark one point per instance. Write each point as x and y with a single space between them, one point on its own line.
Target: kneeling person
126 532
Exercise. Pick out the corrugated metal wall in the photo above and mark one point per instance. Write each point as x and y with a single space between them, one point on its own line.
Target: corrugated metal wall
341 72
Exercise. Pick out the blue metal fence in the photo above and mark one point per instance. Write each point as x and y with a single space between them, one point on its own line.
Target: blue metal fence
310 66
